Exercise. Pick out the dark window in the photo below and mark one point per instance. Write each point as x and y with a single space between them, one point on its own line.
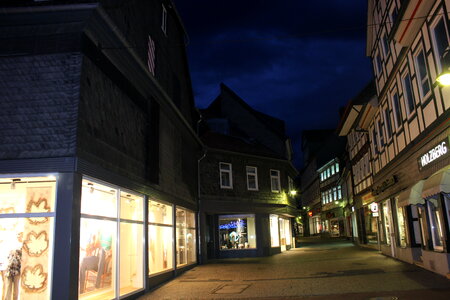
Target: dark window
421 67
440 40
397 110
408 95
387 118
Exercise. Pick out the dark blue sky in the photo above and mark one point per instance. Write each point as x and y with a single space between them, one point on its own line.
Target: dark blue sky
297 60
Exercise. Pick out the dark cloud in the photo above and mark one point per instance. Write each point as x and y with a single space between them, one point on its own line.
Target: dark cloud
296 60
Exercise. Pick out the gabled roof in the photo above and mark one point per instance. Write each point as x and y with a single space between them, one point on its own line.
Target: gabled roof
214 110
354 108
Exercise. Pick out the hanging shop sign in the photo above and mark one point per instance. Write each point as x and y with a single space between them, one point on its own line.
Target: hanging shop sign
374 209
384 185
439 151
367 198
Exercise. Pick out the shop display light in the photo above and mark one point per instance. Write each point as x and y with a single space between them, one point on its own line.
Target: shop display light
293 192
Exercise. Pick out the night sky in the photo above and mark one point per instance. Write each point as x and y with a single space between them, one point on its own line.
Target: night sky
297 60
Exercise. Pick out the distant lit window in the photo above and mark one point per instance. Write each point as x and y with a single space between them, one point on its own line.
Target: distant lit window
339 192
226 178
422 74
275 180
332 170
252 178
337 168
164 20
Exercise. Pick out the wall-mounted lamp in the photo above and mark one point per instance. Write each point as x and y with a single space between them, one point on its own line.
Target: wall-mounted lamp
444 77
293 192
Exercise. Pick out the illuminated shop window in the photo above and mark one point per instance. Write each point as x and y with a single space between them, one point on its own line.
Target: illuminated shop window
401 224
436 224
237 232
160 237
27 211
111 241
274 231
285 233
186 241
387 222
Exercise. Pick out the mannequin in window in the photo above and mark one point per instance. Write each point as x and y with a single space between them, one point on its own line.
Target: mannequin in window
97 248
10 266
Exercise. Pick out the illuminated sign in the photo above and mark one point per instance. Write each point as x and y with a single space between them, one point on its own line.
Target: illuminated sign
438 151
374 209
232 225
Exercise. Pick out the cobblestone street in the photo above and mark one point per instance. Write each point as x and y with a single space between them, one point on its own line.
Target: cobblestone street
320 269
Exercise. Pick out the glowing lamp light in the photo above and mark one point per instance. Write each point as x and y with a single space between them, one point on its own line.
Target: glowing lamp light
293 192
444 77
310 213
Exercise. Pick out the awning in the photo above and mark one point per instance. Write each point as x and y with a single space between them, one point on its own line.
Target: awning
411 195
436 183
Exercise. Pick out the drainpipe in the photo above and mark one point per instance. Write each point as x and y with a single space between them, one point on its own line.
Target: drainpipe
199 218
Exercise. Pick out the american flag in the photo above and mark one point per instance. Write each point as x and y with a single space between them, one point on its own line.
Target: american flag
151 56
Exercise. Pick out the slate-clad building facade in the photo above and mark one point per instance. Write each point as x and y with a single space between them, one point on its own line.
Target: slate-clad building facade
246 179
98 152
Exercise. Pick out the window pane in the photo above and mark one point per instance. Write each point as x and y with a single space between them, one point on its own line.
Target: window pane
131 206
387 118
436 223
408 94
98 199
97 259
274 234
397 111
160 213
31 245
27 195
225 179
423 74
441 40
186 245
131 257
160 245
225 167
401 225
237 232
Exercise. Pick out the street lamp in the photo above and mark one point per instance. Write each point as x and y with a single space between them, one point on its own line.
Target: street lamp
444 77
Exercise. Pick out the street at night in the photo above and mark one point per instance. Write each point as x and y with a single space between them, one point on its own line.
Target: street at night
320 269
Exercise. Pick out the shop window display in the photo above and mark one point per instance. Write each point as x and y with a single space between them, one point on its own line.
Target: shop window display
237 232
111 242
274 231
186 241
285 233
401 225
160 237
436 223
387 223
26 236
371 225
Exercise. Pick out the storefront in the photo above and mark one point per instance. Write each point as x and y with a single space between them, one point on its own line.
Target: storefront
244 235
370 214
114 243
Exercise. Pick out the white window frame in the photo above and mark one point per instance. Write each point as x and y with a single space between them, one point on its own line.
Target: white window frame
418 76
434 42
164 19
230 175
250 174
405 93
278 187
